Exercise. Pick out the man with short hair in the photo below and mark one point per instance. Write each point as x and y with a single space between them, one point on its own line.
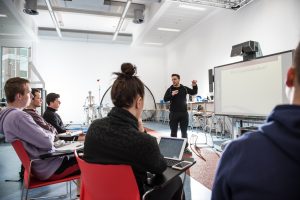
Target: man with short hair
50 115
265 164
176 94
35 103
18 125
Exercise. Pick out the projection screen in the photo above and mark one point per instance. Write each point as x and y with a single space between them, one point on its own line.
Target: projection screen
251 88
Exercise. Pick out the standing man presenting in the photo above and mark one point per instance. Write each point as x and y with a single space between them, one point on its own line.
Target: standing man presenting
176 94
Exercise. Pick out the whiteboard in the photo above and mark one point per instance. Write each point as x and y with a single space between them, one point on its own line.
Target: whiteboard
252 88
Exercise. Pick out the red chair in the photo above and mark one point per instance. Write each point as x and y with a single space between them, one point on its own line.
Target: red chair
30 182
107 182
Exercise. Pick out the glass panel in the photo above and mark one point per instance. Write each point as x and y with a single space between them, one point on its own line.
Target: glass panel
15 62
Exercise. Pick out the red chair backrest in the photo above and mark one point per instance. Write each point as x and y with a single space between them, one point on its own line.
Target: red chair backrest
23 156
107 182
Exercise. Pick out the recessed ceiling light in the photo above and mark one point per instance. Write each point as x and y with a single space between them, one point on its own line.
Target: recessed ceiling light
10 34
187 6
3 15
168 29
154 43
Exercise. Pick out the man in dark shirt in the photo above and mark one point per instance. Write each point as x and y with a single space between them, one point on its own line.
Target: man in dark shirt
176 94
50 115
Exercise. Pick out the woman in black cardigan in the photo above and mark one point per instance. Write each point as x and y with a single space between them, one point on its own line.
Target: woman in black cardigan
120 137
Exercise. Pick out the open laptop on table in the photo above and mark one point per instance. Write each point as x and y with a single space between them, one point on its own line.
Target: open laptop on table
172 149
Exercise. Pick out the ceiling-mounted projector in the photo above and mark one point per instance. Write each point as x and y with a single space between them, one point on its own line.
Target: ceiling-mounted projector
30 7
138 16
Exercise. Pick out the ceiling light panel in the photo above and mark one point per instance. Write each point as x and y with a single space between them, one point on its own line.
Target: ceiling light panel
191 7
86 22
228 4
154 43
175 17
168 29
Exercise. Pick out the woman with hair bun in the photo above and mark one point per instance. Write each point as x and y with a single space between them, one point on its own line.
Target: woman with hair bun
120 137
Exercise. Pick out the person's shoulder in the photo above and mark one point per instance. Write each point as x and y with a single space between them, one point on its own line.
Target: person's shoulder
169 88
99 123
17 112
29 111
147 136
247 140
143 139
184 87
17 115
48 113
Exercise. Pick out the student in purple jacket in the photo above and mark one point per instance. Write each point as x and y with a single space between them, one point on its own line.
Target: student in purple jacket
18 125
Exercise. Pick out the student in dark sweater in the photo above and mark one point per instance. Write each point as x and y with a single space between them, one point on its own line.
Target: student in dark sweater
50 115
176 94
120 137
265 164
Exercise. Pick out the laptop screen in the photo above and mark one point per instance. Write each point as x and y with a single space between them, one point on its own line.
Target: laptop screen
172 148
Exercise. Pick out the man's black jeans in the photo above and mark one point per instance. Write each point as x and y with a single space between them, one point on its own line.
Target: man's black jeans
181 118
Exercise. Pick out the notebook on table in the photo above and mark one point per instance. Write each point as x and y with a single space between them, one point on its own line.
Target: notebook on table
172 149
70 146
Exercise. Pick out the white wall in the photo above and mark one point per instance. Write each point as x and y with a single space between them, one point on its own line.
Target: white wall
274 24
72 69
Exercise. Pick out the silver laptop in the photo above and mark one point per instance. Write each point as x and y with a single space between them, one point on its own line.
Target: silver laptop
172 149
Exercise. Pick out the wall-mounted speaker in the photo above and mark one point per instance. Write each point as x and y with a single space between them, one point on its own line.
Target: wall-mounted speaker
211 80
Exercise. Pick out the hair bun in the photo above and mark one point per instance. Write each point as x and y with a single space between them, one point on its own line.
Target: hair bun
128 69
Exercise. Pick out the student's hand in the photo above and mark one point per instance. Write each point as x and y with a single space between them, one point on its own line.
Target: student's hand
174 92
140 125
81 138
82 133
194 82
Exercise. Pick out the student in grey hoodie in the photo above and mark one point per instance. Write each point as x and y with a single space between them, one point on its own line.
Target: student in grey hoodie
18 125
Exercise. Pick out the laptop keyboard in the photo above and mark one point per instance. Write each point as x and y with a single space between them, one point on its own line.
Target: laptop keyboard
170 162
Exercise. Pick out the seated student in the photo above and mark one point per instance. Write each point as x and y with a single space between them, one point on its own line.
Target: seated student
35 103
120 137
50 115
18 125
265 164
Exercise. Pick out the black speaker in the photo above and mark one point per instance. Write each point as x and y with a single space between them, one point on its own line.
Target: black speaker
211 80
